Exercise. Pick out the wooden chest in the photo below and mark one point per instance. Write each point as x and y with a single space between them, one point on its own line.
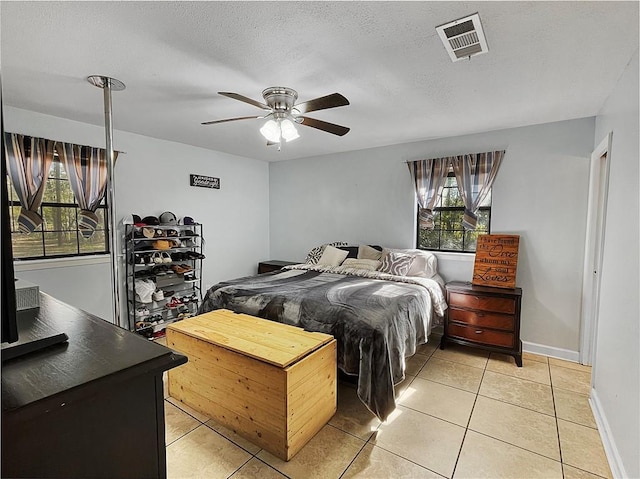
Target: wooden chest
485 317
272 383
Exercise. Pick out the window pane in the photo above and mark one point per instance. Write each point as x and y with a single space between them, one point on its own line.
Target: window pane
487 200
57 169
12 192
451 220
483 221
27 245
58 191
471 240
429 239
101 213
451 240
451 197
61 242
59 218
96 244
14 212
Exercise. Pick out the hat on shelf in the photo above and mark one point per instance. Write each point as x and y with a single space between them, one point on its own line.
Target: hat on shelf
150 221
161 244
188 220
168 219
148 232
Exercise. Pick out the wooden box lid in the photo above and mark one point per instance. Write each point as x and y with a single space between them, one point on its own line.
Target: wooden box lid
274 343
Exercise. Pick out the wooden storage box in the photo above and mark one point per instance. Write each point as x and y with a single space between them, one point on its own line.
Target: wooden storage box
272 383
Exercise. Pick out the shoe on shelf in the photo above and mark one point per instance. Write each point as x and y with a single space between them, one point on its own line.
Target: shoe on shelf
174 303
158 295
159 334
190 278
142 324
166 258
167 292
142 312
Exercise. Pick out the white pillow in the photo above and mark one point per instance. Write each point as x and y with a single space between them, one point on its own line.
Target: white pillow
332 256
425 263
396 263
368 264
367 252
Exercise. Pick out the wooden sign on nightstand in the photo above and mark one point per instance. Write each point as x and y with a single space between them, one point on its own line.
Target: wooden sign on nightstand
496 261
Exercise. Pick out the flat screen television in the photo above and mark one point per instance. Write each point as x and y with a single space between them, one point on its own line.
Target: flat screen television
19 336
8 299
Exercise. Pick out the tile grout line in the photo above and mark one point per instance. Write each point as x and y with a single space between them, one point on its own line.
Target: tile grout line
466 429
555 413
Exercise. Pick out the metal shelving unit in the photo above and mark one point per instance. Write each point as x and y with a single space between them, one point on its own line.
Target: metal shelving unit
151 318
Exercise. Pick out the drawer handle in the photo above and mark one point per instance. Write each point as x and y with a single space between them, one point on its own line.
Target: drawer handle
478 331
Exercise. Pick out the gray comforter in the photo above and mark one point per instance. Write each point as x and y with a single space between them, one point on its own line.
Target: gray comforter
378 320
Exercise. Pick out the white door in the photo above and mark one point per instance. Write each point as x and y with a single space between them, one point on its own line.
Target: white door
596 216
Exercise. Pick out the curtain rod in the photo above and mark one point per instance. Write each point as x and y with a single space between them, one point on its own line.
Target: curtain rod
60 141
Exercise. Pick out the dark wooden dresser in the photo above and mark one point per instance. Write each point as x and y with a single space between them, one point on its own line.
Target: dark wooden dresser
272 265
484 317
90 407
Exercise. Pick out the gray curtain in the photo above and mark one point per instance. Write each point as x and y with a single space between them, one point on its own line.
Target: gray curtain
428 179
475 174
86 168
28 163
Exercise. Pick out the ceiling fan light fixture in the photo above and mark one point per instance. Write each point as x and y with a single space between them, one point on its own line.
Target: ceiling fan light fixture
289 132
271 131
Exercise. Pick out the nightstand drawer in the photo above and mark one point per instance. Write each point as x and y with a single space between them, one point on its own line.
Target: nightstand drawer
484 303
479 318
480 335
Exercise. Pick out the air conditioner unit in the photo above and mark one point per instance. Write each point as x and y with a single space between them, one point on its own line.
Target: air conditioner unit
463 38
27 295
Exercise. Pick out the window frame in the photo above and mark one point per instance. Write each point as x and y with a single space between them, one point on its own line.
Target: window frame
451 208
14 202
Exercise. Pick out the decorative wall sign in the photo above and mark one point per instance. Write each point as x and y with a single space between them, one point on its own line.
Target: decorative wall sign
204 181
496 261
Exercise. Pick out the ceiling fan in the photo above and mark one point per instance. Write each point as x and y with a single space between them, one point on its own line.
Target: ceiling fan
283 113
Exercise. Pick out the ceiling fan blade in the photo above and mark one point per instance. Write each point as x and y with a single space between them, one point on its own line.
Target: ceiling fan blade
237 96
230 119
330 101
323 125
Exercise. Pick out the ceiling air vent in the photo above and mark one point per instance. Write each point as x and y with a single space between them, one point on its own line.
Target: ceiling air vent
463 38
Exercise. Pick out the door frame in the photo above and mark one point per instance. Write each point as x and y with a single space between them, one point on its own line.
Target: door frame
594 247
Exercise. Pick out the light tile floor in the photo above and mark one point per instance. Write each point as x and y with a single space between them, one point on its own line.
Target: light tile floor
461 413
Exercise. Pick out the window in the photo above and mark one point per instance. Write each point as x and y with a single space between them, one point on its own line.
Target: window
448 233
58 236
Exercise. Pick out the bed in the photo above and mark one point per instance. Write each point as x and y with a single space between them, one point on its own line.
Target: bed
377 315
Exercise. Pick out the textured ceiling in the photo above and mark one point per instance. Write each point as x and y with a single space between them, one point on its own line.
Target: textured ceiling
547 61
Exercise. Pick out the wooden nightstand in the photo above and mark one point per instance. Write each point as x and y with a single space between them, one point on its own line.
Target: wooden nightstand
272 265
484 317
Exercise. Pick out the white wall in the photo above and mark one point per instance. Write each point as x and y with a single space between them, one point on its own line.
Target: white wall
540 193
152 177
616 371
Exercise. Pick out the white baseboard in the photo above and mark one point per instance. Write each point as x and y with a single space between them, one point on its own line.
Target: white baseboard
550 351
610 449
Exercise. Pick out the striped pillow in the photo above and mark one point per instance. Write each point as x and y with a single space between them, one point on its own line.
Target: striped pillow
316 253
395 263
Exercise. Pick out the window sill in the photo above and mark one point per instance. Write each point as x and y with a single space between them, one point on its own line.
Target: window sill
49 263
449 256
